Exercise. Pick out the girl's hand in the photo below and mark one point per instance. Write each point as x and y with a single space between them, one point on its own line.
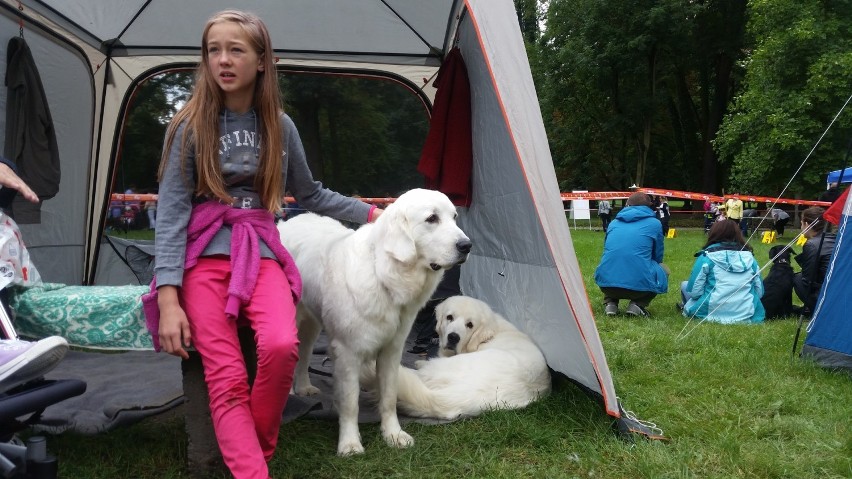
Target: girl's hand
174 327
376 213
9 179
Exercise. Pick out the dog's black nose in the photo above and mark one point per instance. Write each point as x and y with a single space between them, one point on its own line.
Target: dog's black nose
464 246
452 340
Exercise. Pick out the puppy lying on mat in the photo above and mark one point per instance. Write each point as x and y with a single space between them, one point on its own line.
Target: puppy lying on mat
484 363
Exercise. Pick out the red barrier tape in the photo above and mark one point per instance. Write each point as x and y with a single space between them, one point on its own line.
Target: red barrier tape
609 195
591 195
288 199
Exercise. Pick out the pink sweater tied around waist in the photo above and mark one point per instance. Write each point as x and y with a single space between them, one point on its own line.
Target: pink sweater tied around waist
247 225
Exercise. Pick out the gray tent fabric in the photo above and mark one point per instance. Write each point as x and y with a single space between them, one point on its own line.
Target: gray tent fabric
92 55
58 242
354 29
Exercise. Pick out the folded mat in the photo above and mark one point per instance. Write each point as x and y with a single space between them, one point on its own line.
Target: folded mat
102 317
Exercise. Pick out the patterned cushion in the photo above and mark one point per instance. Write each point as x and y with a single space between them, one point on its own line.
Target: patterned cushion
101 317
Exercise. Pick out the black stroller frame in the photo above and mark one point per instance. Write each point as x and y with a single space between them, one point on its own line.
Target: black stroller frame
21 407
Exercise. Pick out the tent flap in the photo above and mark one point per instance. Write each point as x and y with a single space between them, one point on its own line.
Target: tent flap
829 339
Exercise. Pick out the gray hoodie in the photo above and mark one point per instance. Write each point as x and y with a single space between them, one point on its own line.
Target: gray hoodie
238 149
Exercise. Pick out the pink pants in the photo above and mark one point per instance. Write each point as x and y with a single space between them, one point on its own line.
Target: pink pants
246 420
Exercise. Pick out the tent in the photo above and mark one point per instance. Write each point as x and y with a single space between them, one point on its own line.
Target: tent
91 55
829 339
834 176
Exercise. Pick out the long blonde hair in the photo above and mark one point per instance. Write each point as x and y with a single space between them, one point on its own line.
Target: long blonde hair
201 113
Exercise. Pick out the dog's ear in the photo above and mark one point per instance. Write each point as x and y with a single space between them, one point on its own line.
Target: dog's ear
439 314
398 241
481 335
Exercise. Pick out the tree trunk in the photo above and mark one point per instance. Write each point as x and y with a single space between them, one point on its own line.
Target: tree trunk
644 145
309 130
710 172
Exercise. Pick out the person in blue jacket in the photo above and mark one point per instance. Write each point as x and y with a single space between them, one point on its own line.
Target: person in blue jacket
725 284
631 266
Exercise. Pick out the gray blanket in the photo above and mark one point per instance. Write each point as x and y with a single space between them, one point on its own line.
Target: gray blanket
123 388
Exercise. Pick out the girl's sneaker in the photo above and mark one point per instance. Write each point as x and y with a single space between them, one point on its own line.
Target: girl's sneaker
23 361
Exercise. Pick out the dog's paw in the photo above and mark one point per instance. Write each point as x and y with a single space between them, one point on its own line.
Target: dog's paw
419 364
349 448
400 439
309 390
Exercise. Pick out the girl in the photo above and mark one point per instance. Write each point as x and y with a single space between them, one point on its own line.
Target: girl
725 284
229 155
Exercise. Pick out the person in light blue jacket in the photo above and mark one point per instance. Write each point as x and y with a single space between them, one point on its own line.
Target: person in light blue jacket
725 284
631 266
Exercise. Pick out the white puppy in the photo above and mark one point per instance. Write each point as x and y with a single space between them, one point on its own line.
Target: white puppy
365 288
484 363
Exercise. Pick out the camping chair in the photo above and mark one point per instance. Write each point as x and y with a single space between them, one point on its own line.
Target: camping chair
138 255
141 263
30 400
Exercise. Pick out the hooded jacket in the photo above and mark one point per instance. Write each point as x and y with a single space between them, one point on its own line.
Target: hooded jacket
814 261
725 286
633 251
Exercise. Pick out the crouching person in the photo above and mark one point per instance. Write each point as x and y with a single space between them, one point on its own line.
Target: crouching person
631 266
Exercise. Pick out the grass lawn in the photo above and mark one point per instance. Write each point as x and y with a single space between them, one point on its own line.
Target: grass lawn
729 398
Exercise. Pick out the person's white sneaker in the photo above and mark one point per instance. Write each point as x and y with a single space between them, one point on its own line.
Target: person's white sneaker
23 361
611 309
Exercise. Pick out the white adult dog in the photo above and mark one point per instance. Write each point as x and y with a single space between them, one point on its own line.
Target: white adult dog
484 363
365 287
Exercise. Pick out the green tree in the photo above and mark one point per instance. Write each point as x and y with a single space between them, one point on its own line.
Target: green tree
152 106
529 15
797 80
361 135
632 92
704 82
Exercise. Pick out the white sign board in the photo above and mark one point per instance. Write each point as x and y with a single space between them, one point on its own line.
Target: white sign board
580 208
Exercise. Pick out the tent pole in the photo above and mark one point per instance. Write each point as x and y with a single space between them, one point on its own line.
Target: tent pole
90 259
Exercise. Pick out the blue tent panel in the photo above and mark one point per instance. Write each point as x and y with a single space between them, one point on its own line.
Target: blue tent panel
829 340
835 175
